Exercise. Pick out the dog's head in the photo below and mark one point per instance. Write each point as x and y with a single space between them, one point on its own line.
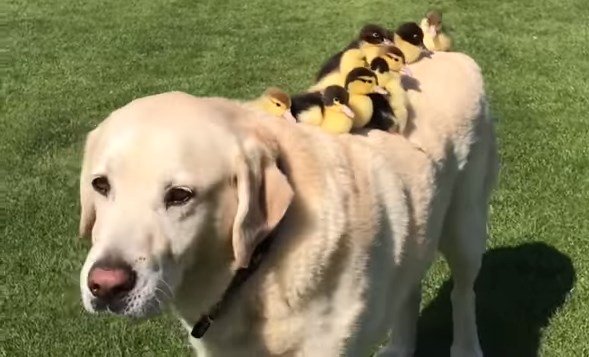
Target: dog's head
175 196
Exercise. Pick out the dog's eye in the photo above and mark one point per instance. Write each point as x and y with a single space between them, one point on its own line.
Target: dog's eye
177 196
101 185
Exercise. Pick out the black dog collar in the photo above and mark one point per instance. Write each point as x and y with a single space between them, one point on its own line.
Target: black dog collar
241 275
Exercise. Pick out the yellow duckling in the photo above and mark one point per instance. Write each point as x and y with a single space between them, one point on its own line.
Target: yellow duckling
369 40
352 58
433 37
338 118
388 71
276 102
409 39
360 82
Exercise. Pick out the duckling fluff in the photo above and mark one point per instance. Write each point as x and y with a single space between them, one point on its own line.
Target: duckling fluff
433 37
370 38
360 82
276 102
350 59
338 118
391 81
409 39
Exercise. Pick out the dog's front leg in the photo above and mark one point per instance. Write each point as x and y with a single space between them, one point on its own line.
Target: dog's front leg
404 327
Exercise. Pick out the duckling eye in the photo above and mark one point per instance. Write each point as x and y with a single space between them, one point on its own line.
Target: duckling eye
396 59
375 35
336 100
277 104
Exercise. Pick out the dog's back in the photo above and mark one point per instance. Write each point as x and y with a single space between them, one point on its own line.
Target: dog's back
431 191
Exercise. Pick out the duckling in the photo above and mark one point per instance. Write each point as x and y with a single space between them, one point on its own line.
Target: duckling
388 71
276 102
382 114
308 108
338 117
359 83
409 39
433 38
350 59
395 59
373 38
370 38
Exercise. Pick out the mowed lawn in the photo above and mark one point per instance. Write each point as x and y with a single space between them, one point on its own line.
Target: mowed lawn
68 63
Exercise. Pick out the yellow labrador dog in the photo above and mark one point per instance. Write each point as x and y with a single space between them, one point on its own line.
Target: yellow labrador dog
273 239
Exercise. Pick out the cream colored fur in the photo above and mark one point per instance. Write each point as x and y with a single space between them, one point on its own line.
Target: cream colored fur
357 218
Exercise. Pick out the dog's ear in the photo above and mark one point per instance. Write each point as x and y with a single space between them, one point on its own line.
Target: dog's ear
263 194
87 209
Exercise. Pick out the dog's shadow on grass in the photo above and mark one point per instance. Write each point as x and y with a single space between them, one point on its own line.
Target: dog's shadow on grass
518 290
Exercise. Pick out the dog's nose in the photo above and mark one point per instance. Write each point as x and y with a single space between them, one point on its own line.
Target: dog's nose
108 279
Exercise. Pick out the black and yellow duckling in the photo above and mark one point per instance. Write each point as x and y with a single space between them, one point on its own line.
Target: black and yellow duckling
409 39
370 39
433 37
327 109
360 82
395 58
388 70
349 60
382 113
276 102
338 118
308 108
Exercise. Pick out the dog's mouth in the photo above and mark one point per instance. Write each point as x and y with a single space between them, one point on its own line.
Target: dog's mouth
115 307
133 306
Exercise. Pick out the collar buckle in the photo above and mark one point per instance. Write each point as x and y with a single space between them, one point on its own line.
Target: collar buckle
201 326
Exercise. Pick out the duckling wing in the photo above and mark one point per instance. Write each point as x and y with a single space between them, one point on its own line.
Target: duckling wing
444 42
307 107
382 115
336 123
333 62
329 66
333 78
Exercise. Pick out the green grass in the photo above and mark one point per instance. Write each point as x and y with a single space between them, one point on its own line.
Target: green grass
68 63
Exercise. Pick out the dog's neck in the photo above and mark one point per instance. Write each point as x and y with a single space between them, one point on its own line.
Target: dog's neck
241 276
222 293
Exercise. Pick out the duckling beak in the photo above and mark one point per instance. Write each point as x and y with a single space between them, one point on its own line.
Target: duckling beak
347 111
407 71
289 117
380 90
432 30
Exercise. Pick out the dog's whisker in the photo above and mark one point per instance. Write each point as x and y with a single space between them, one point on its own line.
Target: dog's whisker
166 295
167 286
